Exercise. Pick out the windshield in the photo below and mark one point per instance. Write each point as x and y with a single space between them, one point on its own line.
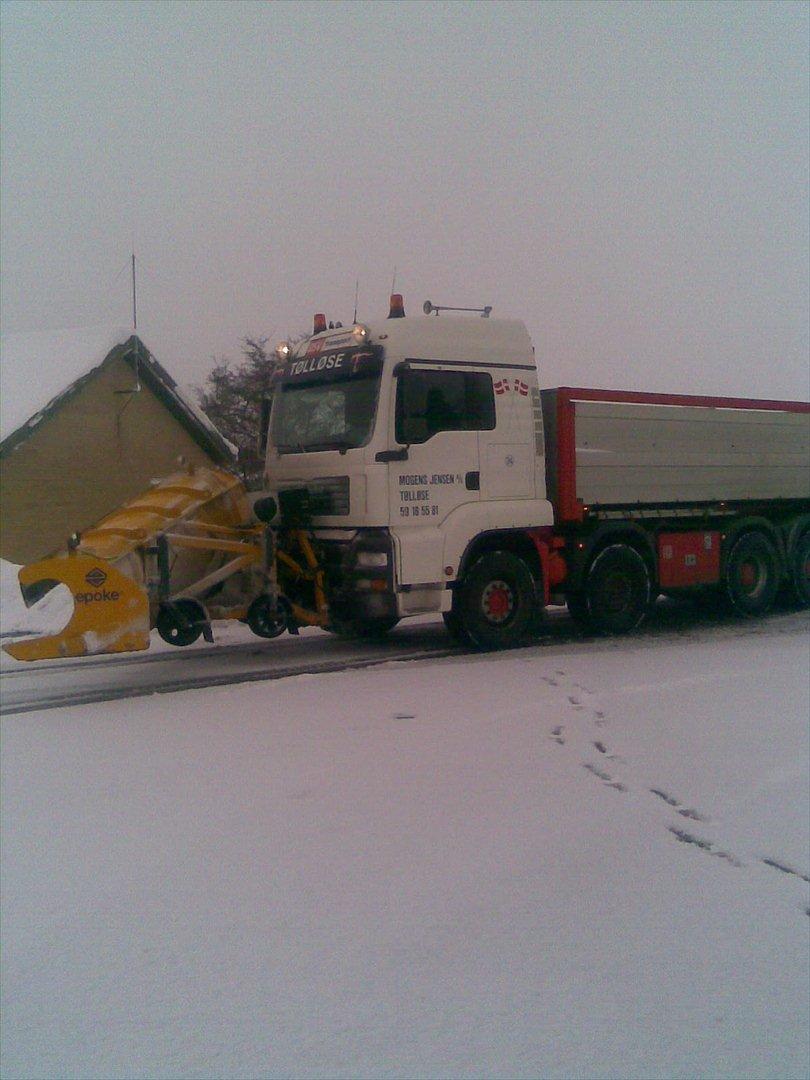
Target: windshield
326 410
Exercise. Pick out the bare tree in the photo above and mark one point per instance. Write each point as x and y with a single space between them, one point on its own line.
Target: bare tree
232 399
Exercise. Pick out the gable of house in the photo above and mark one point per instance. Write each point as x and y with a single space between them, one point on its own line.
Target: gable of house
95 445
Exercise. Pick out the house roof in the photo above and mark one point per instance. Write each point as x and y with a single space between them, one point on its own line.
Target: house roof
41 371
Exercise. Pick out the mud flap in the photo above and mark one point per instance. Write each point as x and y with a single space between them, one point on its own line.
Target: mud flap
110 614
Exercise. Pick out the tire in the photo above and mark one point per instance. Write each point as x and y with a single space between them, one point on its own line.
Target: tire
496 601
752 574
263 621
452 620
181 622
618 590
799 559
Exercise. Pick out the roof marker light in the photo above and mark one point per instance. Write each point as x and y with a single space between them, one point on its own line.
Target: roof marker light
397 309
319 324
360 333
283 350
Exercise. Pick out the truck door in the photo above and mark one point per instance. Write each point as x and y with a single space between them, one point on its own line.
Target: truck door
439 414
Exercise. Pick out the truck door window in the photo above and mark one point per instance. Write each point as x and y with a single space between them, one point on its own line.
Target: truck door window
431 401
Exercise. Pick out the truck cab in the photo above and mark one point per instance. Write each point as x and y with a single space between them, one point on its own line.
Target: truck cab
410 440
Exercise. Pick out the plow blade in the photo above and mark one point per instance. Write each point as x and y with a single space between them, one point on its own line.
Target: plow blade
184 537
111 611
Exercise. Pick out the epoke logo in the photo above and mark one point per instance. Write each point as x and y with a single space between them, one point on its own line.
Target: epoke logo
95 578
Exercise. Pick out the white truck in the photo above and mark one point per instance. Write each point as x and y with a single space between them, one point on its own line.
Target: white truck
434 475
414 466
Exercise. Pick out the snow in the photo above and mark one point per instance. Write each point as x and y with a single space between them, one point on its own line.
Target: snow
542 863
39 366
48 616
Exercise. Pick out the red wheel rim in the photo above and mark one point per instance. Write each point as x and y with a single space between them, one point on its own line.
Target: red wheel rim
497 601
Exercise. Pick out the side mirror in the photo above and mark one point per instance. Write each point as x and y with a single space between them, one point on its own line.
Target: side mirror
265 509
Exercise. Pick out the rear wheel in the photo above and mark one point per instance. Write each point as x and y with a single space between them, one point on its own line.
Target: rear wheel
618 590
496 602
181 622
752 574
800 569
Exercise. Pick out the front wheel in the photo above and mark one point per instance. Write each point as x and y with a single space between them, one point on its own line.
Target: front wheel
618 590
497 601
452 621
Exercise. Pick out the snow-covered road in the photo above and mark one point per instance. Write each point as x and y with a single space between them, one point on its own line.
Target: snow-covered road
577 860
238 657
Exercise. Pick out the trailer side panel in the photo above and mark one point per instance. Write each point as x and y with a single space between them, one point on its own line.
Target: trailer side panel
631 452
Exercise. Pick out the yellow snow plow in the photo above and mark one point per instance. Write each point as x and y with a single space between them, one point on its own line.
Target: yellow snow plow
186 551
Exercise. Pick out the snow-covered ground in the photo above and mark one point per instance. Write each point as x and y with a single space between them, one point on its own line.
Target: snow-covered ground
583 860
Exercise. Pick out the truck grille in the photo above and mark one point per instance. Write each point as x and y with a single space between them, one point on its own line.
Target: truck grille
329 495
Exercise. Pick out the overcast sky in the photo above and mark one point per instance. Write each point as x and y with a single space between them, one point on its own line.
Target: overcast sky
629 179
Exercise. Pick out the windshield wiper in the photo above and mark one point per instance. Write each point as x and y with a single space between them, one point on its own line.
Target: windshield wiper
342 444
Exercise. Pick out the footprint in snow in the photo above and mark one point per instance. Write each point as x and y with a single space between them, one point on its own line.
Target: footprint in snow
786 869
684 811
702 844
600 774
557 734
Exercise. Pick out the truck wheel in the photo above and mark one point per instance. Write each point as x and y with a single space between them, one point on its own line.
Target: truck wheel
800 569
263 621
181 622
497 601
452 620
618 590
752 574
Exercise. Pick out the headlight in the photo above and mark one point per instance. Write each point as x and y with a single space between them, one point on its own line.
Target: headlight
375 559
360 333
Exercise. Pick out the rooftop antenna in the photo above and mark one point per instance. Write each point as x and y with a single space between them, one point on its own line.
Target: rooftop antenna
137 387
356 291
394 281
134 296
